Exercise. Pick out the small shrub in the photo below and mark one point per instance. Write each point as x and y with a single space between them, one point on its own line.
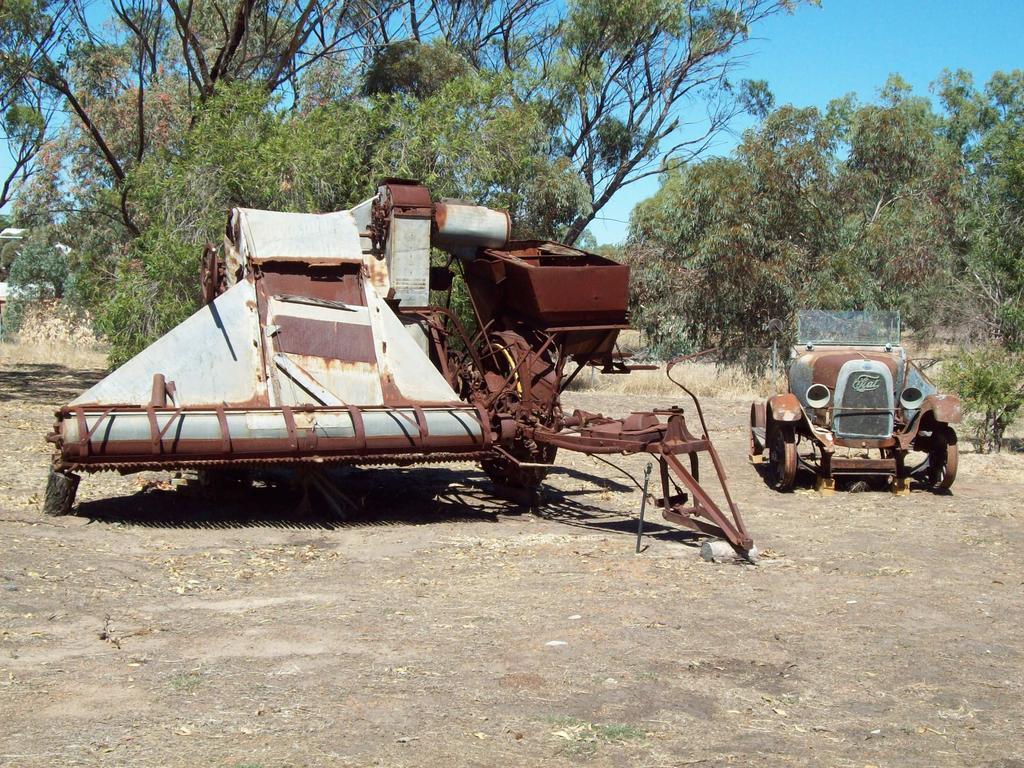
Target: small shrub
582 738
990 381
186 681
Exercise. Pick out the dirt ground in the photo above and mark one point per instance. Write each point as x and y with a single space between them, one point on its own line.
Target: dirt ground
155 628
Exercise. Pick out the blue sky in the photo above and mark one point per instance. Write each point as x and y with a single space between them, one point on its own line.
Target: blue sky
845 46
848 46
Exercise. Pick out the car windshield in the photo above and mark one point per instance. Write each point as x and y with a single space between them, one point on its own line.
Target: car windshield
867 328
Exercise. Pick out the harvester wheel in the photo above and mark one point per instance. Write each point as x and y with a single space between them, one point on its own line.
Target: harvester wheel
61 488
782 457
942 459
504 472
523 382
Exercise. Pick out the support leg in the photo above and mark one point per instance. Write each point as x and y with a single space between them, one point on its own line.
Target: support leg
61 488
900 486
901 481
824 483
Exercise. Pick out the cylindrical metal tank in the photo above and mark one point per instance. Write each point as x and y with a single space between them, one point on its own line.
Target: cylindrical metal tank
470 225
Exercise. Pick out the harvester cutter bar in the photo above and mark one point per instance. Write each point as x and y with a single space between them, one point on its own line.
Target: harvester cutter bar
366 460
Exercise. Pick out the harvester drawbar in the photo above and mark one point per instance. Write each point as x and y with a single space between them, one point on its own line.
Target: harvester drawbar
317 344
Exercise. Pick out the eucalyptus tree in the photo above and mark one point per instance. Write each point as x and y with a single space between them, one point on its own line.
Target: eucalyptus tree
988 125
852 207
638 87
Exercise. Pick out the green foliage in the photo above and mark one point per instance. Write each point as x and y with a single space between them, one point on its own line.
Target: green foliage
8 252
22 122
414 69
467 140
756 98
540 108
38 272
990 382
626 76
989 128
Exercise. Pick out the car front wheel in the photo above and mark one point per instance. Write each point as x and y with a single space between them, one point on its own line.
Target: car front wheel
942 459
782 457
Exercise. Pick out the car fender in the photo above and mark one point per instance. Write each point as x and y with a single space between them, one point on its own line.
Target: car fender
944 409
758 415
784 408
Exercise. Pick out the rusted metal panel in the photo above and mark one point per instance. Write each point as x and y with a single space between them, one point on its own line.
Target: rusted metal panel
323 338
407 197
861 466
826 363
784 408
552 288
944 408
332 283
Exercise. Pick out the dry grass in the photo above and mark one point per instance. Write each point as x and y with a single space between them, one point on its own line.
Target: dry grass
71 355
52 333
705 379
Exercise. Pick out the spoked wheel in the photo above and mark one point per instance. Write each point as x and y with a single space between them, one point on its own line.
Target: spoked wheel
504 472
942 459
782 457
521 381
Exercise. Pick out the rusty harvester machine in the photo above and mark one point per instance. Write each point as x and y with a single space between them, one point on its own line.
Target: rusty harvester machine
317 344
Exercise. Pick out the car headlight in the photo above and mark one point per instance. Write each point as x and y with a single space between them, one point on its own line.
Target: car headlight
911 398
818 396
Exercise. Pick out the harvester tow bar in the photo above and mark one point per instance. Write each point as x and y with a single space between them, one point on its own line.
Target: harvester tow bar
682 499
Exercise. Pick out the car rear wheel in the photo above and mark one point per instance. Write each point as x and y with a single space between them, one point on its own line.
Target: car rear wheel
782 457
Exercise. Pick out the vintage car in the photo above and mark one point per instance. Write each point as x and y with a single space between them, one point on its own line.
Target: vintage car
856 406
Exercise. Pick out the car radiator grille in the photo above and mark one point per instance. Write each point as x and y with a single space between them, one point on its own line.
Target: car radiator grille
865 408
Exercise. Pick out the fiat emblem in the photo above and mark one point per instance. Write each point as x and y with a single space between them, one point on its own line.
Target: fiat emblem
867 383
